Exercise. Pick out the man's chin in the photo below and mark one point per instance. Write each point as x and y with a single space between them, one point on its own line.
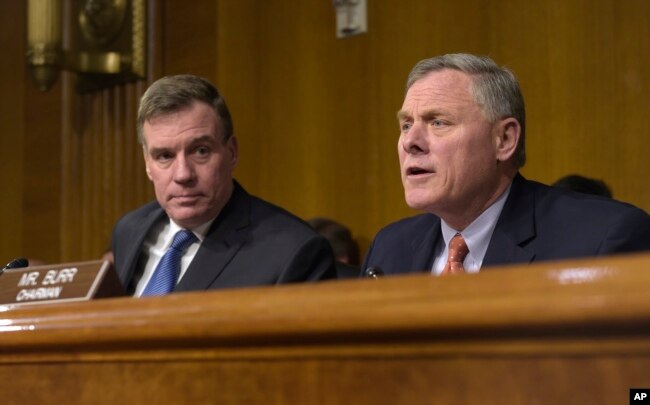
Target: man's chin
419 202
187 217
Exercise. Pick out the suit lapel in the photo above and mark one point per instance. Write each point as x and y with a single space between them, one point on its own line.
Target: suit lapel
227 234
133 250
424 249
514 229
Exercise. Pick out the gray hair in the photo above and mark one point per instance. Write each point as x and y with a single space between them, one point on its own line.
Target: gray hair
174 93
494 88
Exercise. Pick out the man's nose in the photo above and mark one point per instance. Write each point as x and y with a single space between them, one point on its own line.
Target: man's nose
183 169
415 141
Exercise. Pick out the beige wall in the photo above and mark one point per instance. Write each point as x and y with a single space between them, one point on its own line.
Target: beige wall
315 115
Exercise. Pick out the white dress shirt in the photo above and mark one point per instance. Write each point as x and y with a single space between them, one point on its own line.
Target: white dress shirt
477 236
158 241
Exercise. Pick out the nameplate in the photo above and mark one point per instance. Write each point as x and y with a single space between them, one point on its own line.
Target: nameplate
59 283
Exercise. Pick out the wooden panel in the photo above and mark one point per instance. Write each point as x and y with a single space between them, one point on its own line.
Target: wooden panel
104 174
581 65
484 380
72 160
12 128
42 174
580 327
189 38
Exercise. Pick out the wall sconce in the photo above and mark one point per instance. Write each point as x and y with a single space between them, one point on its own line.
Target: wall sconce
107 41
351 17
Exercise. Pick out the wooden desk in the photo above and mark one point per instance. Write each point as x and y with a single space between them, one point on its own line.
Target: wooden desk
564 332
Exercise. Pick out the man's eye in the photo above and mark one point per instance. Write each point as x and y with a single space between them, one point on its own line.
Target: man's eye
202 151
405 126
437 123
164 156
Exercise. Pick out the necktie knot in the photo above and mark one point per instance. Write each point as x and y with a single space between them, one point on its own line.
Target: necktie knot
458 251
182 240
166 274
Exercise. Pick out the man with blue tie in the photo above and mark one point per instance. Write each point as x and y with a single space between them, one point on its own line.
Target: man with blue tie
205 231
460 148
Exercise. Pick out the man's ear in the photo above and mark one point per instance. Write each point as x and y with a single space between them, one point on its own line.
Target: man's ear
507 138
146 162
234 151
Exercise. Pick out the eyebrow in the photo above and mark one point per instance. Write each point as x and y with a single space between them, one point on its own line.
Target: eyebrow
203 138
402 115
429 113
154 150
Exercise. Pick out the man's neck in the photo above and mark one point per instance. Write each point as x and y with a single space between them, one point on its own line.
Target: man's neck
459 220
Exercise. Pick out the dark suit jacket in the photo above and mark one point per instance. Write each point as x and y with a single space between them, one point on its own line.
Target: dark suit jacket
537 223
251 242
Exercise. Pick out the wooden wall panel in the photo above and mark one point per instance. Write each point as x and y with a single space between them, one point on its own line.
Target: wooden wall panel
584 73
104 175
188 38
71 161
42 174
12 127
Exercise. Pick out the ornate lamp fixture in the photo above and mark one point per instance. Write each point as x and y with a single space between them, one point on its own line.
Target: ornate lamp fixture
107 41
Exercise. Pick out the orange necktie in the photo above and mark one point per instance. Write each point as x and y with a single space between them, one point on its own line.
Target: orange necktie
457 252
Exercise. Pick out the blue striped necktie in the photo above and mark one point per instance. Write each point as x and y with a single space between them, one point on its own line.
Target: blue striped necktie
166 274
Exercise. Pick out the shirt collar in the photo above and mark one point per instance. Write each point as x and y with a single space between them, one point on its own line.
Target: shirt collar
200 231
478 234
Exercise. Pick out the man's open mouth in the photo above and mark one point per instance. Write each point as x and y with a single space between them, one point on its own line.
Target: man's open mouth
414 171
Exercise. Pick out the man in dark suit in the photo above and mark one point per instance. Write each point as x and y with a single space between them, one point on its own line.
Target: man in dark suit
461 145
205 231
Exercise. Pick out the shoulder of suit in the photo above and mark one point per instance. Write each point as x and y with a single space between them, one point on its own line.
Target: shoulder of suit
277 217
562 199
411 225
141 213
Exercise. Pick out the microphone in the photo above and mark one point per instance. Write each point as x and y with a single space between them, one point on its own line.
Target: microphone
373 272
14 264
